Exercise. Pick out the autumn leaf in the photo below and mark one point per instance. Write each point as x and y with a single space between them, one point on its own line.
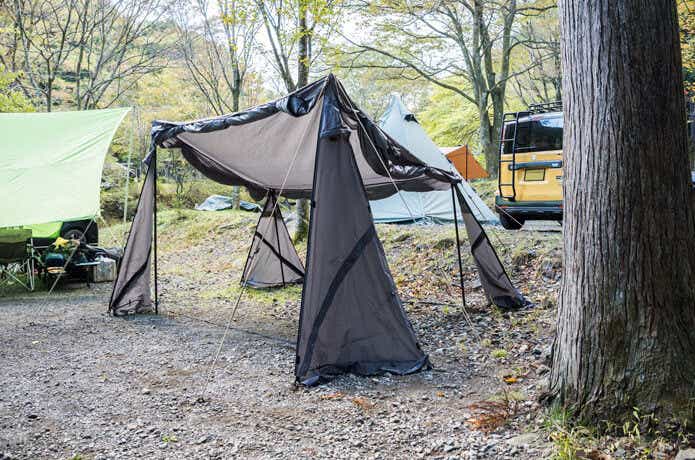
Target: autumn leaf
363 403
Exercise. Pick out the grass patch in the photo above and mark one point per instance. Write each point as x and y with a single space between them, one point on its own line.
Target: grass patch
499 353
290 293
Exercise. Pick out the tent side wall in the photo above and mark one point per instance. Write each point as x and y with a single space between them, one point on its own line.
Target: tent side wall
273 260
493 277
131 289
351 318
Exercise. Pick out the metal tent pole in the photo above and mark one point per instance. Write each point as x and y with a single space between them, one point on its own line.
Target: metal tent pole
127 168
458 244
153 164
277 238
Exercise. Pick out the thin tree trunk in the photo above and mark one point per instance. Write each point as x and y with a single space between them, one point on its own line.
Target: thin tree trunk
49 94
627 309
497 97
236 94
303 57
487 144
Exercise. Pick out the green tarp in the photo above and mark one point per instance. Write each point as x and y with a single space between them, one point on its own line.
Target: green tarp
51 164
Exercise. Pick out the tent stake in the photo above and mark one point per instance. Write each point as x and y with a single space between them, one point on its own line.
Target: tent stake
156 273
458 244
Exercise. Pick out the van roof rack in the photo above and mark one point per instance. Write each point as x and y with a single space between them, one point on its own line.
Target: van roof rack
545 107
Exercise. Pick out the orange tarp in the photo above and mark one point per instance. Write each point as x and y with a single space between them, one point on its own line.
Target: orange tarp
464 162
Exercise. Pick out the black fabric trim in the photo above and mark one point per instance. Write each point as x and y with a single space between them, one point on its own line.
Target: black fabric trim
339 277
324 374
298 103
255 285
289 264
129 303
478 241
404 167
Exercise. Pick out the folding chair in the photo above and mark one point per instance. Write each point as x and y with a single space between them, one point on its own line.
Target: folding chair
16 257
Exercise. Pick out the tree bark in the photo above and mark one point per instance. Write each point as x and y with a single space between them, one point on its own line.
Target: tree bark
236 95
485 140
303 59
626 321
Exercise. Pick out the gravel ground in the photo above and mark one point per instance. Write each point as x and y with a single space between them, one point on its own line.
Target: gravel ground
76 383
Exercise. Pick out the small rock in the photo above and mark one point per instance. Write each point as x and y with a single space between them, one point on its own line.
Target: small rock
686 454
449 448
522 439
202 440
146 391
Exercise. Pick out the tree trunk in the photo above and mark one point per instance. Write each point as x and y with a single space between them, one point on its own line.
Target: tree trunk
627 305
236 95
49 94
497 97
487 143
303 58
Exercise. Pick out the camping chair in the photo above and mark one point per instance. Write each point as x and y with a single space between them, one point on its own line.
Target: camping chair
16 257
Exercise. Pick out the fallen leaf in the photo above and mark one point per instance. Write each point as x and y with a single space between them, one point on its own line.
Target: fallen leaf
363 403
336 395
597 455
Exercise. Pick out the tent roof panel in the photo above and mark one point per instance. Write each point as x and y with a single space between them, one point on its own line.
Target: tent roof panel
256 148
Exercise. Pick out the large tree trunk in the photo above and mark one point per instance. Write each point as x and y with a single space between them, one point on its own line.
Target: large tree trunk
303 58
626 322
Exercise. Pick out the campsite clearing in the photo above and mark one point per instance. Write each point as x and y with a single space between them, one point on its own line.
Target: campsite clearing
81 382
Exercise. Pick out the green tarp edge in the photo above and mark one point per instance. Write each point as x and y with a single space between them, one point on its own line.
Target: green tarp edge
51 164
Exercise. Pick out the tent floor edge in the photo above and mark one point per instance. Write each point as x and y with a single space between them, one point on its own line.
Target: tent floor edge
326 374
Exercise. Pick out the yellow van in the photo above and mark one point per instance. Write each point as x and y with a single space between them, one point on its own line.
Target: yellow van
530 166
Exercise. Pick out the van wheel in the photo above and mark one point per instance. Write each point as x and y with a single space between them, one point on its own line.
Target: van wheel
510 222
80 230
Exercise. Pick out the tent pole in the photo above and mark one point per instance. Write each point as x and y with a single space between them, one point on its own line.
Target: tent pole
156 273
277 237
458 244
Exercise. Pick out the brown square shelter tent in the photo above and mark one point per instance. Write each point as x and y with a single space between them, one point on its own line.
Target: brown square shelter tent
315 143
464 162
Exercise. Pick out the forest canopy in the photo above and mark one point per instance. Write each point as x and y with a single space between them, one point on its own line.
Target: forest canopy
458 66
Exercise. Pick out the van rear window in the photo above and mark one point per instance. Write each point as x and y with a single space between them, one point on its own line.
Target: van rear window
535 135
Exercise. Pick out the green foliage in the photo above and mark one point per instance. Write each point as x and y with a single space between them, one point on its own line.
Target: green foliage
567 438
499 353
169 438
449 119
12 99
